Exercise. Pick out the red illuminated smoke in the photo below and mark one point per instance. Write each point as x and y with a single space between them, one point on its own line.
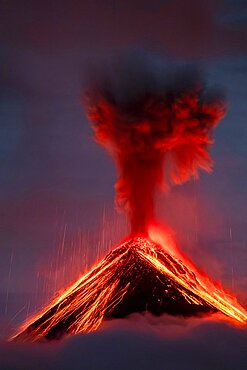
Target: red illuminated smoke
157 125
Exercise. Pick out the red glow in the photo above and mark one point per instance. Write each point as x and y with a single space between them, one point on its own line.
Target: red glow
174 128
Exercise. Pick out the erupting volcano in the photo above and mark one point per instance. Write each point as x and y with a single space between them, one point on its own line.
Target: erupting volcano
158 127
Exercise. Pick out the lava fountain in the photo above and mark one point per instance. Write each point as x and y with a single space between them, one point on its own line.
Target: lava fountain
158 126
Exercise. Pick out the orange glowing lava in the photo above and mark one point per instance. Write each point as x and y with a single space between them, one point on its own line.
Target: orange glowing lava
95 296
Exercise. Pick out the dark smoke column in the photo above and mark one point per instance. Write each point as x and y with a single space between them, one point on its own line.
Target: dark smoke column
158 126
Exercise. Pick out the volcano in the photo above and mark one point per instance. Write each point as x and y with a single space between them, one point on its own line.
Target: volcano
137 276
158 127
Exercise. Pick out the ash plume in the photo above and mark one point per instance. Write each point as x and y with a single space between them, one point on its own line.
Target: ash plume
157 122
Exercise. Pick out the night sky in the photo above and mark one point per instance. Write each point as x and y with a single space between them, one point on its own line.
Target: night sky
57 212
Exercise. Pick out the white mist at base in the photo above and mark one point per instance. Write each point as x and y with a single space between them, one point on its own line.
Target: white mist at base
140 342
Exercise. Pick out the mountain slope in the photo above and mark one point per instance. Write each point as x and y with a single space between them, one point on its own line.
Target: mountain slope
137 276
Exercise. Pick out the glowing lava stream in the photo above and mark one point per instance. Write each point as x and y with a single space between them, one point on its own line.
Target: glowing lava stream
214 299
84 306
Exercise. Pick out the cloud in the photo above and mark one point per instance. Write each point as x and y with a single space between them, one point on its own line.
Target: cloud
138 343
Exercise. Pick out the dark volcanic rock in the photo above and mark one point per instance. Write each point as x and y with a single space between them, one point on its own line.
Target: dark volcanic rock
138 276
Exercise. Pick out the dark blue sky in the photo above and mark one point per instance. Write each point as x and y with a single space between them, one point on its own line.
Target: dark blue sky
56 181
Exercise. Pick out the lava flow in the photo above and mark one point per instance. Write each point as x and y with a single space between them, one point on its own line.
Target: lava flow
158 126
137 276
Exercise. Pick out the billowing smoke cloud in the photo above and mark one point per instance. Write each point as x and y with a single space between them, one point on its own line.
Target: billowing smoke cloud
147 115
138 343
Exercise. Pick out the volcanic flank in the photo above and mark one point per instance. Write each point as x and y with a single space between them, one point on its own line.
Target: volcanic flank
158 126
137 276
